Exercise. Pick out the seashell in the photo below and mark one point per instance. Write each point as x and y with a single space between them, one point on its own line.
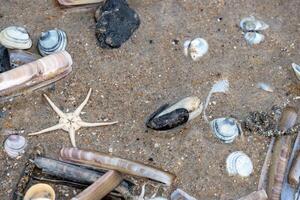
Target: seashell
195 48
226 129
180 194
40 191
4 59
254 38
34 75
296 69
15 37
294 173
15 145
20 57
256 195
266 87
77 2
238 163
52 41
252 24
168 117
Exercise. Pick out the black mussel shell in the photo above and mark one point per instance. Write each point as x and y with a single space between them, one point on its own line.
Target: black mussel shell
4 59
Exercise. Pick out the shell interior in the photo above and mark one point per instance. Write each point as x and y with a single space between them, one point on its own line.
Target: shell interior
52 41
196 48
254 38
296 69
252 24
238 163
15 145
40 191
225 129
15 38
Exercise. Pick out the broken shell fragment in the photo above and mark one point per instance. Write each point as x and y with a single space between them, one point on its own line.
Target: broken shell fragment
238 163
77 2
252 24
265 86
34 75
168 117
40 191
52 41
15 37
15 145
225 129
254 38
296 69
21 57
195 48
4 59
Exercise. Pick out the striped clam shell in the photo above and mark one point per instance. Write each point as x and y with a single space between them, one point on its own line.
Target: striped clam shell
238 163
254 38
15 37
52 41
34 75
77 2
15 145
225 129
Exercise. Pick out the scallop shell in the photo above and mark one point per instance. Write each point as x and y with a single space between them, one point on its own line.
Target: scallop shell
4 59
40 191
238 163
15 37
77 2
252 24
225 129
52 41
15 145
254 38
34 75
296 69
195 48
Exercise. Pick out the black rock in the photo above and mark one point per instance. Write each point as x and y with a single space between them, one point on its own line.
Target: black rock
4 59
116 22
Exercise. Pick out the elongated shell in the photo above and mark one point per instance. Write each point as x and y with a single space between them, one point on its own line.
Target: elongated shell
225 129
21 57
294 174
180 194
252 24
196 48
4 59
52 41
34 75
40 191
257 195
238 163
15 37
168 117
77 2
15 145
105 161
296 69
254 38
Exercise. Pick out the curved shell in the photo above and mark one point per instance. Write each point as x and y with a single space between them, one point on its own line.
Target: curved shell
296 69
238 163
254 38
77 2
196 48
15 145
34 75
40 191
52 41
225 129
252 24
20 57
168 117
4 59
15 37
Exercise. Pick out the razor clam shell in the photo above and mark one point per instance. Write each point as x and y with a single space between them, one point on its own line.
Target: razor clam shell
52 41
252 24
4 59
196 48
40 191
238 163
15 37
20 57
256 195
34 75
294 173
106 161
180 194
15 145
254 38
225 129
77 2
296 69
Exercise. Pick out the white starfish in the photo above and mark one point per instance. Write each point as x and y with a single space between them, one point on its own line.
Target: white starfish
70 122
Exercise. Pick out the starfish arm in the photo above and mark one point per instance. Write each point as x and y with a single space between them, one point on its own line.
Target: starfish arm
72 137
87 124
52 128
55 108
79 109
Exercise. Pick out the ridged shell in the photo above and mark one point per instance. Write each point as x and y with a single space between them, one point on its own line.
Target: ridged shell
225 129
40 191
195 48
34 75
238 163
77 2
296 69
4 59
52 41
15 37
252 24
15 145
254 38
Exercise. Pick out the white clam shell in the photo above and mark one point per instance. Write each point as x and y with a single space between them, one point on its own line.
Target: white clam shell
196 48
252 24
15 37
225 129
254 38
52 41
296 69
40 191
15 145
238 163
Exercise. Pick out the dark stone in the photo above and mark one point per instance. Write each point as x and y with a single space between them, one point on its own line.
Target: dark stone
4 59
116 22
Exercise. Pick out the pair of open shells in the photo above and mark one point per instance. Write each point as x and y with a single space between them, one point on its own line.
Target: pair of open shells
15 37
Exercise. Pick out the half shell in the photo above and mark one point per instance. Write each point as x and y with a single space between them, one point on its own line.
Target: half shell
254 38
195 48
20 57
296 69
225 129
52 41
77 2
15 37
252 24
238 163
15 145
4 59
40 191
